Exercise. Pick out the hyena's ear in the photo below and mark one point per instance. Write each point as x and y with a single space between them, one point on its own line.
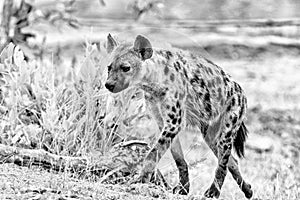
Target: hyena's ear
143 46
111 43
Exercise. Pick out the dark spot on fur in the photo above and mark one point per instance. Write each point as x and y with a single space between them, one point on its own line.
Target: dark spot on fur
209 84
204 128
162 141
185 73
220 93
168 54
177 104
172 129
173 109
218 80
227 125
166 70
239 100
231 91
237 87
168 107
200 65
213 92
233 102
207 103
223 73
179 120
181 59
170 135
193 81
222 102
210 62
180 112
171 116
228 134
226 80
172 77
202 84
234 120
181 96
228 108
176 95
174 121
210 71
162 93
242 110
177 66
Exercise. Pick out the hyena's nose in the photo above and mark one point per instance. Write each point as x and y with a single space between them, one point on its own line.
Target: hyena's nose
109 86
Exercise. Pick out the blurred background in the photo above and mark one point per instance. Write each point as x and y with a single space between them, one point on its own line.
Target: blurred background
262 36
257 42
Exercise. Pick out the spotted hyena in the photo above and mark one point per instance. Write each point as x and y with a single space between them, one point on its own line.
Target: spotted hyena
182 90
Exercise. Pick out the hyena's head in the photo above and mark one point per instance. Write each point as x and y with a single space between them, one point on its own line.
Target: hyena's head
125 67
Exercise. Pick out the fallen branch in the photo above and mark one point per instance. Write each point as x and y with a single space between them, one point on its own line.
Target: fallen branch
123 160
29 157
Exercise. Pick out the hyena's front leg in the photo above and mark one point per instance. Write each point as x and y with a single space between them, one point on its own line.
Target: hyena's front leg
176 151
184 184
172 116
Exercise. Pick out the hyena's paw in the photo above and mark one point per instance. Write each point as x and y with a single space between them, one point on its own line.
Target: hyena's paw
246 188
213 191
182 190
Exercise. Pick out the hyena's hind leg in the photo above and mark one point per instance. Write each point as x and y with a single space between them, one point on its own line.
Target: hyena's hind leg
222 150
233 163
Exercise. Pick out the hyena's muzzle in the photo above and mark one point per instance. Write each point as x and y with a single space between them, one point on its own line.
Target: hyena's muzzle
116 84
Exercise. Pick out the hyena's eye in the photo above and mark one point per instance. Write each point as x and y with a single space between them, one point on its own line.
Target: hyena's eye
125 68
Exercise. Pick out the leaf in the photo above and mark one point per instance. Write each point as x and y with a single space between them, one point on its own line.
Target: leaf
7 53
18 56
6 56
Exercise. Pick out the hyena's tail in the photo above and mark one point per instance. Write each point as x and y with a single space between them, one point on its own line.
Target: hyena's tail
239 141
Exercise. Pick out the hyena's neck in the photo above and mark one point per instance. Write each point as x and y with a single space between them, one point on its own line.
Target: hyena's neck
159 68
153 70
